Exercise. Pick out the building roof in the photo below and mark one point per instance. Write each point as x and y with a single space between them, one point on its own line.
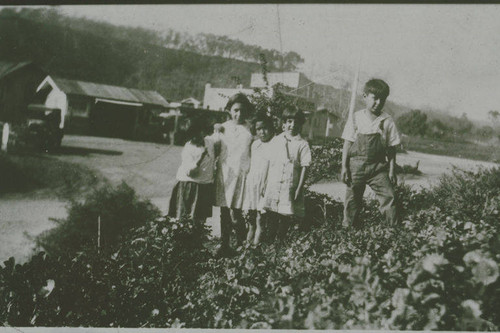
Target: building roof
98 90
7 68
216 98
191 100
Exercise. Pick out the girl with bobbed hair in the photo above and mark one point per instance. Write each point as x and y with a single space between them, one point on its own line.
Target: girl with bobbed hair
233 165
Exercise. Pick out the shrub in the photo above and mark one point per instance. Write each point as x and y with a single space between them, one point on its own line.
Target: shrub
437 269
326 161
119 209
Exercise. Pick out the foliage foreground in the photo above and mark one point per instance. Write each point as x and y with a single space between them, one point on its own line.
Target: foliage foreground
438 270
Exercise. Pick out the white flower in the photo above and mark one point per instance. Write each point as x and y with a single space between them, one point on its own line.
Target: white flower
47 289
155 312
486 271
472 308
432 262
473 257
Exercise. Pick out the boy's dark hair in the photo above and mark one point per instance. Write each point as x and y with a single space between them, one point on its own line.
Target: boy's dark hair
243 100
377 87
292 112
268 122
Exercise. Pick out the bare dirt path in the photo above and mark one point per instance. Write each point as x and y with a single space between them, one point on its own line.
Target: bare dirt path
150 169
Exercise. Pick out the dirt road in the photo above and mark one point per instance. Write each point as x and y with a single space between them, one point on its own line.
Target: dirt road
150 169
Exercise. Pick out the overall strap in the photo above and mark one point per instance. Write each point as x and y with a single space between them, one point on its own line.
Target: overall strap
381 125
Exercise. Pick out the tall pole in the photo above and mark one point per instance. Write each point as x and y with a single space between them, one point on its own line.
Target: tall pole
354 89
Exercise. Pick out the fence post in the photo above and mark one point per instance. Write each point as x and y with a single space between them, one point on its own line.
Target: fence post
98 233
5 136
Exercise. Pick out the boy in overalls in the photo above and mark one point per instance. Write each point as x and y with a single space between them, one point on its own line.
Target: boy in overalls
369 156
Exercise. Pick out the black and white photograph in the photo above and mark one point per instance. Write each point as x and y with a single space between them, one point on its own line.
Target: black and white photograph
327 166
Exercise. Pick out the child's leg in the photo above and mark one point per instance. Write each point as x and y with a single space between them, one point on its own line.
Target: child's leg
353 204
225 226
258 230
284 225
238 225
252 217
384 191
273 221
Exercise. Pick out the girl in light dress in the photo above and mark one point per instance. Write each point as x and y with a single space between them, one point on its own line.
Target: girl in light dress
256 180
192 196
233 165
290 156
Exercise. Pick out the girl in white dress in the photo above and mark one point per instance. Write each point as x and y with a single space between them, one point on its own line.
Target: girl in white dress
256 180
192 196
233 165
290 157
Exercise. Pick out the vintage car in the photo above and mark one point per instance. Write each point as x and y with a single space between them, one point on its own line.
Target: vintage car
43 127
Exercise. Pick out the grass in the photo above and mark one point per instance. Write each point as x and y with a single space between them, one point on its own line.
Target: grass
41 175
455 148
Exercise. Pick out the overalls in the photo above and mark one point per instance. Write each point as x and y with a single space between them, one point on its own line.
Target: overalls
368 165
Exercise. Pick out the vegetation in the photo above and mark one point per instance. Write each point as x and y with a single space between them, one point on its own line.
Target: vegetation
454 147
45 175
438 269
116 210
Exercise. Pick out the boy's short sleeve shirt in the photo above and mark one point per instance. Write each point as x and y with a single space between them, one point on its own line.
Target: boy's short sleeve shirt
365 125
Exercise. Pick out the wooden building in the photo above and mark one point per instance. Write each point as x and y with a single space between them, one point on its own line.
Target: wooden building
18 83
97 109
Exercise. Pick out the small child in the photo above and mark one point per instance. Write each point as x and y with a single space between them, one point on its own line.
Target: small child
192 196
233 164
369 155
253 202
290 157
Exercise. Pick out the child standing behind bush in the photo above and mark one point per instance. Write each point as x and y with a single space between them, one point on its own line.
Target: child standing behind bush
290 157
232 168
256 180
369 156
193 194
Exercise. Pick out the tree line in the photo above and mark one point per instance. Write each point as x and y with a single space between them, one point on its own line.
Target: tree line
419 123
204 43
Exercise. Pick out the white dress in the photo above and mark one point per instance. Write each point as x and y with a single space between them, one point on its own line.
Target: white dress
233 165
288 156
257 176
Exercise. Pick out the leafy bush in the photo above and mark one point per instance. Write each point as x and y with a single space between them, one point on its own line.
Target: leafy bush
438 269
326 161
30 172
118 209
143 281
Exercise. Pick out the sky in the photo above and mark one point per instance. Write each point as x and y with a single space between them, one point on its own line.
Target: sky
433 56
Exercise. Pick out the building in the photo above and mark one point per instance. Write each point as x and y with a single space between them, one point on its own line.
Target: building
322 123
103 110
216 98
191 102
18 83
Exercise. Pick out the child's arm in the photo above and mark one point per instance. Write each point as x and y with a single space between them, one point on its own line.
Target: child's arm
196 161
302 179
345 174
391 156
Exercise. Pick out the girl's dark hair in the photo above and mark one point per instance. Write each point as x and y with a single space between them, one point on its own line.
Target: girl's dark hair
243 100
291 112
196 130
268 122
377 87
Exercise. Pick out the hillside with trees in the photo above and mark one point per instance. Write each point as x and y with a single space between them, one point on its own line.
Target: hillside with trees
101 58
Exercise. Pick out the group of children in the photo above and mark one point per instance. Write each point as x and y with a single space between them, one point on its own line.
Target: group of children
246 167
